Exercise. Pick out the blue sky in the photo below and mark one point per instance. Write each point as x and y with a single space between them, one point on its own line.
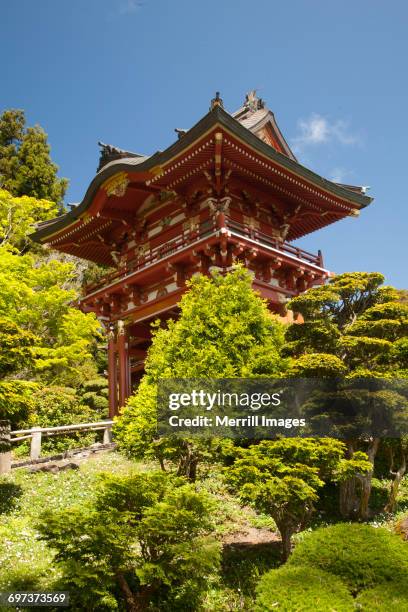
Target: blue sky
128 72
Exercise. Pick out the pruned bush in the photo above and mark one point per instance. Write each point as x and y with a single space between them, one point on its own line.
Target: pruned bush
392 597
94 393
295 589
360 555
145 541
282 477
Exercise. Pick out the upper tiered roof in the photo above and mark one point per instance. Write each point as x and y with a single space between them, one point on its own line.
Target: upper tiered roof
250 148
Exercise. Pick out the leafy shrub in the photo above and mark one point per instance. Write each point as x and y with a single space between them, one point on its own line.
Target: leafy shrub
302 589
282 477
94 393
16 401
144 540
361 555
60 406
55 406
135 430
392 597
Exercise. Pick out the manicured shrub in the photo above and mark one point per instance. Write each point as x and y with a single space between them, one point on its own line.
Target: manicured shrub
392 597
360 555
94 393
146 540
302 589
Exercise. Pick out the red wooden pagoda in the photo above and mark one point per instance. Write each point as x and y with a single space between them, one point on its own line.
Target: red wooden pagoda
228 190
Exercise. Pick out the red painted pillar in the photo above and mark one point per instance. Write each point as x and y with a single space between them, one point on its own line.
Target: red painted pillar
112 374
123 360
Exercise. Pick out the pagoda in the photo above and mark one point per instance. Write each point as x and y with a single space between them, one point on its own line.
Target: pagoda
228 190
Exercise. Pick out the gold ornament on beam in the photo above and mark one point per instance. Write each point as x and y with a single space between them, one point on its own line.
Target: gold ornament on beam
116 185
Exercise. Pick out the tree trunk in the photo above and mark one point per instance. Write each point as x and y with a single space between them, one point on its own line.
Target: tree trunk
188 463
366 480
131 603
349 500
286 533
398 476
192 472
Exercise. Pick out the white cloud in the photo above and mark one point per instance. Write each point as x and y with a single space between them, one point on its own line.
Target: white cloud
318 130
337 175
130 6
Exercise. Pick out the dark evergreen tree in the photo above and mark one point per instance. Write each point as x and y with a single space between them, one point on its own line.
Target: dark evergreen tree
26 167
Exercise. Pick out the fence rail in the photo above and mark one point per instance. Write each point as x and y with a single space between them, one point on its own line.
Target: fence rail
36 434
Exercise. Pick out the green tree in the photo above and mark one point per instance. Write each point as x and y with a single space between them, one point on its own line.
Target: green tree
18 216
224 331
144 541
281 478
26 167
354 326
43 339
94 393
36 296
16 357
16 348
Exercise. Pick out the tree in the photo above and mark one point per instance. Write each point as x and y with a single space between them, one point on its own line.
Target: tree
281 478
16 348
18 216
25 163
398 461
354 326
16 356
145 538
43 339
224 331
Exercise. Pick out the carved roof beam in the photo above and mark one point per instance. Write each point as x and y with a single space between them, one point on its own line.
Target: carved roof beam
118 215
279 190
218 162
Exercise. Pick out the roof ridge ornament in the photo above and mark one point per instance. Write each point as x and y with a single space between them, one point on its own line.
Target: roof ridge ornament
252 102
110 153
217 101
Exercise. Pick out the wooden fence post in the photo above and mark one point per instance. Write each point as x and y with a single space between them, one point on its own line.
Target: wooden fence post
35 450
5 447
107 434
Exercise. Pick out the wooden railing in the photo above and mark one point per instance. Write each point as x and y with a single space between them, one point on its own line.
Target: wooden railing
153 255
267 240
185 238
35 434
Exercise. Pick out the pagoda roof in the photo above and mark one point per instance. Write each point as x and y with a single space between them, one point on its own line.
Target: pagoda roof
241 128
255 116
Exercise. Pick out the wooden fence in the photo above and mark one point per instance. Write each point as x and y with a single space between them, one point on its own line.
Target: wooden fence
35 434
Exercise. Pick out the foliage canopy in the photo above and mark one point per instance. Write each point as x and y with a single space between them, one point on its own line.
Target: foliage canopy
26 168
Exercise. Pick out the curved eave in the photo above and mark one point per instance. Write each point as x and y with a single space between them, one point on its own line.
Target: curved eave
215 117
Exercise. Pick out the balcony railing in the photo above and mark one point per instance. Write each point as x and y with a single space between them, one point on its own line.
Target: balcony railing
265 239
186 239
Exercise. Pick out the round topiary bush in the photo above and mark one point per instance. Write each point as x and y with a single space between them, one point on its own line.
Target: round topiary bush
360 555
294 589
392 597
